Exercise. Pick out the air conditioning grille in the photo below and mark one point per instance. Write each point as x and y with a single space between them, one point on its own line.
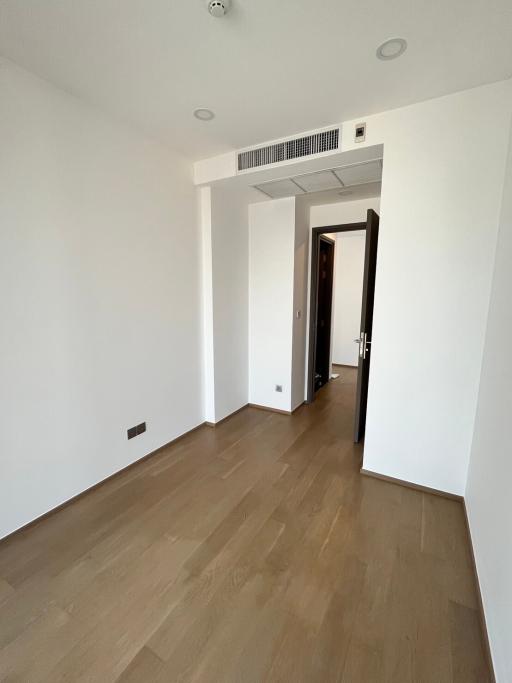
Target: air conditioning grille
296 148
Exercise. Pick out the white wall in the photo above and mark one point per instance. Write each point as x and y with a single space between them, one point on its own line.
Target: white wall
490 469
271 296
349 257
204 199
100 306
338 213
441 190
230 236
300 303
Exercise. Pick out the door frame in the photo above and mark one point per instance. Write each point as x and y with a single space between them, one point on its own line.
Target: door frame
313 296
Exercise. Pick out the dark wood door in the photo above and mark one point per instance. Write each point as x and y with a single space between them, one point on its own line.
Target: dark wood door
365 340
324 312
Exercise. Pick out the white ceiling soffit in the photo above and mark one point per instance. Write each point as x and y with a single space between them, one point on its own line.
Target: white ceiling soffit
318 182
277 189
322 181
360 173
153 63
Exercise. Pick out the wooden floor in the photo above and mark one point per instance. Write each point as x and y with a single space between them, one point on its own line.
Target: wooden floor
250 552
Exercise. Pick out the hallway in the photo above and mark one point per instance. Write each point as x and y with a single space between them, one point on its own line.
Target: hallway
254 551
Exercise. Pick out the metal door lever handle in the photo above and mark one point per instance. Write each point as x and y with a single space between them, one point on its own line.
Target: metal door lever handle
364 344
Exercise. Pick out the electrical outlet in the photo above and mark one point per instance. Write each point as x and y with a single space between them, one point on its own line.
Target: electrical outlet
135 431
279 388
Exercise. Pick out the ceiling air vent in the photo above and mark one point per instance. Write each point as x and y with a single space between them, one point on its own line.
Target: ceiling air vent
306 146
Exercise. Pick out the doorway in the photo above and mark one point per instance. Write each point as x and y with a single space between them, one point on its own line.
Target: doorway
325 269
321 296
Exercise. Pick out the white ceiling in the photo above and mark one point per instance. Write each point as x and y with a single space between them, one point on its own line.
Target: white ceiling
340 179
269 69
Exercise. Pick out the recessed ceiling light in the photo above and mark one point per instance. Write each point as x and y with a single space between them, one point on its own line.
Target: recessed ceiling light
204 114
392 48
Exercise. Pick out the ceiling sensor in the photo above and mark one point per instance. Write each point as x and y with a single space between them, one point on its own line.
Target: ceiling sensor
218 8
391 49
204 114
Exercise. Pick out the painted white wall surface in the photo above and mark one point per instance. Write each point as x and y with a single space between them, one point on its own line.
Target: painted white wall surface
441 194
215 168
333 302
490 469
204 197
271 290
100 306
348 290
300 304
230 236
339 213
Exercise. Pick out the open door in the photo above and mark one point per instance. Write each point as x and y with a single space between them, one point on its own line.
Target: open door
365 338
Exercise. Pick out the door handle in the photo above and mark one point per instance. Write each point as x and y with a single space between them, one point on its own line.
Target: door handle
363 345
365 342
359 341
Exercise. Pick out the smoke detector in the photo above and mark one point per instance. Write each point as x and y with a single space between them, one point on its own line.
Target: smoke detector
218 8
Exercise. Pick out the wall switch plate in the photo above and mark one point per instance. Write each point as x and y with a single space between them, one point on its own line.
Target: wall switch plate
279 388
360 133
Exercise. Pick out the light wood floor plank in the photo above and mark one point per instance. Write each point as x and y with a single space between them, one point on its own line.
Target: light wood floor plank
250 552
